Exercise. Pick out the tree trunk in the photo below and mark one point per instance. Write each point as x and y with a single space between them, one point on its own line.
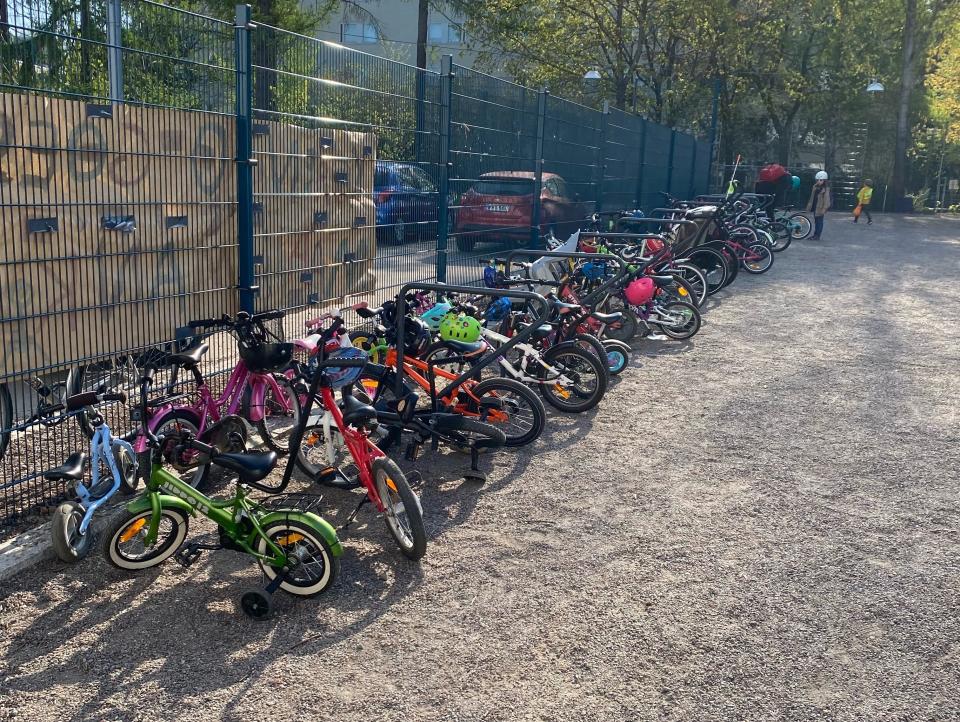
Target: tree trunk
4 21
423 14
830 147
907 80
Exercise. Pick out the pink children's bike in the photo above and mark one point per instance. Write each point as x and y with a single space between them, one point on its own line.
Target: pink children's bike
257 390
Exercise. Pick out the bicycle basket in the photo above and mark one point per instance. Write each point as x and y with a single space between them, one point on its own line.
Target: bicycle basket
340 377
265 357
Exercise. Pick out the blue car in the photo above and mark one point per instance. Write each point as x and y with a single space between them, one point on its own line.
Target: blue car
406 199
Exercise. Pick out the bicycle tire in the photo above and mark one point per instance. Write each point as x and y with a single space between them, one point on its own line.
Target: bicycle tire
366 341
6 419
629 324
127 523
384 471
181 417
800 226
781 236
538 413
68 544
690 328
762 250
713 265
271 437
695 278
574 400
730 257
282 530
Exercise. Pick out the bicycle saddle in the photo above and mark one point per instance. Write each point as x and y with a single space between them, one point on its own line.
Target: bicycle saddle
355 412
606 317
188 358
466 346
564 308
249 467
70 470
368 312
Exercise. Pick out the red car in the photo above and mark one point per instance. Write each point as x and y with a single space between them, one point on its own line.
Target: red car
499 207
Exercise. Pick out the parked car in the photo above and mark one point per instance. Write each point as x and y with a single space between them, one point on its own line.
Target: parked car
405 197
499 207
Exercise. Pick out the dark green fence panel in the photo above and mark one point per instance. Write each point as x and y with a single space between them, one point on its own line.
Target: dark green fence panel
656 166
622 160
683 159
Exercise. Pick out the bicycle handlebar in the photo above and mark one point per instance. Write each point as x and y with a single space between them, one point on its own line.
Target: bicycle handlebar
92 398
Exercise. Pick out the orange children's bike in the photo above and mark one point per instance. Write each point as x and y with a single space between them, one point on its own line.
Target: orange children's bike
508 405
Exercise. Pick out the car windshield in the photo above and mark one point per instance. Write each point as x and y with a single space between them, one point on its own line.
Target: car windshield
504 187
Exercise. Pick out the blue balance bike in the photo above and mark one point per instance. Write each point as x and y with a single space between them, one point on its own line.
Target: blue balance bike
113 467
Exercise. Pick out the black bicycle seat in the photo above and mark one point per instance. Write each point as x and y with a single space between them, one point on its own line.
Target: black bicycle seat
70 470
249 467
466 346
368 312
606 317
563 308
188 358
355 412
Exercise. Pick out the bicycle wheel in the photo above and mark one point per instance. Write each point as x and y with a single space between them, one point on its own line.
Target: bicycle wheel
696 280
6 419
317 452
627 327
713 265
521 416
173 424
316 567
687 320
761 261
368 342
800 226
781 236
281 415
68 543
588 379
124 541
402 511
729 254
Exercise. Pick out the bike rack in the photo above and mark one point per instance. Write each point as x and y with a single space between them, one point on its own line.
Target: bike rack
597 292
473 291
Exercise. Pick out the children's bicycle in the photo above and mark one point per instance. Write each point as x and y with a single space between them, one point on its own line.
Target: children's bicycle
296 549
330 428
256 389
113 468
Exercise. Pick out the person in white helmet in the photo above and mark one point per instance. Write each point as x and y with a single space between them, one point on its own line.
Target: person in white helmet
820 202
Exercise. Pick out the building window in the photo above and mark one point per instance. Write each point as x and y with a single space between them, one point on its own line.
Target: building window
359 33
444 33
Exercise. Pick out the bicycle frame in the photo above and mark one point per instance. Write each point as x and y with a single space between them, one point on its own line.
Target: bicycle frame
222 512
101 446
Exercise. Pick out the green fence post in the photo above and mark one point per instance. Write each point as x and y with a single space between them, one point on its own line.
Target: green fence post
693 170
643 163
244 159
536 214
673 145
443 212
602 153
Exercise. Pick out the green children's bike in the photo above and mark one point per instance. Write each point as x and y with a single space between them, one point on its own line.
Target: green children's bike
296 549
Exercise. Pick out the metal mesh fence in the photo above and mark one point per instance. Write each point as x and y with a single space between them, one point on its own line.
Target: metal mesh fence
129 206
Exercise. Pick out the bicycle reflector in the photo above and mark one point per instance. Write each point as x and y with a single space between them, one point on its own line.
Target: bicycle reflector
339 377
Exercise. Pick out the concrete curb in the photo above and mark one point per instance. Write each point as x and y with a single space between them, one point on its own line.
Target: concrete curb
25 550
33 546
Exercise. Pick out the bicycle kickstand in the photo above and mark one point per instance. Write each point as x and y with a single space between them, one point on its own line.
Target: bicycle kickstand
475 474
353 516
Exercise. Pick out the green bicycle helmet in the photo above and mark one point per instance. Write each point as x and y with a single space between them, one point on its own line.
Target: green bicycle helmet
465 329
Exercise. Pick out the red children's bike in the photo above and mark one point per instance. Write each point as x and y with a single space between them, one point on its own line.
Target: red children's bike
333 439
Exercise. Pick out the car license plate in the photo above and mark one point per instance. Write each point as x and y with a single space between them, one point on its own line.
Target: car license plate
498 208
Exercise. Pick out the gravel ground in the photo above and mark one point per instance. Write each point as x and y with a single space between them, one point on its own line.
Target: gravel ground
758 524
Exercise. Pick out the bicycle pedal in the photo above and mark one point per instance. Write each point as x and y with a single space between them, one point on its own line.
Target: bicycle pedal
188 555
326 476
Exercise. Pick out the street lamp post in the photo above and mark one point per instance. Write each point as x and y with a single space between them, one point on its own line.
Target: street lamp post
875 87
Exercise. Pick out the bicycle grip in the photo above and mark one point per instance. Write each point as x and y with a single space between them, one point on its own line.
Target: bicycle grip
206 323
268 316
116 396
79 401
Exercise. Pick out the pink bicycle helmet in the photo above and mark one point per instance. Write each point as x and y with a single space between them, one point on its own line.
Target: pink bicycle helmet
640 291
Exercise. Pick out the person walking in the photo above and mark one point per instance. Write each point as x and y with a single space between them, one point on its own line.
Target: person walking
820 202
863 202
